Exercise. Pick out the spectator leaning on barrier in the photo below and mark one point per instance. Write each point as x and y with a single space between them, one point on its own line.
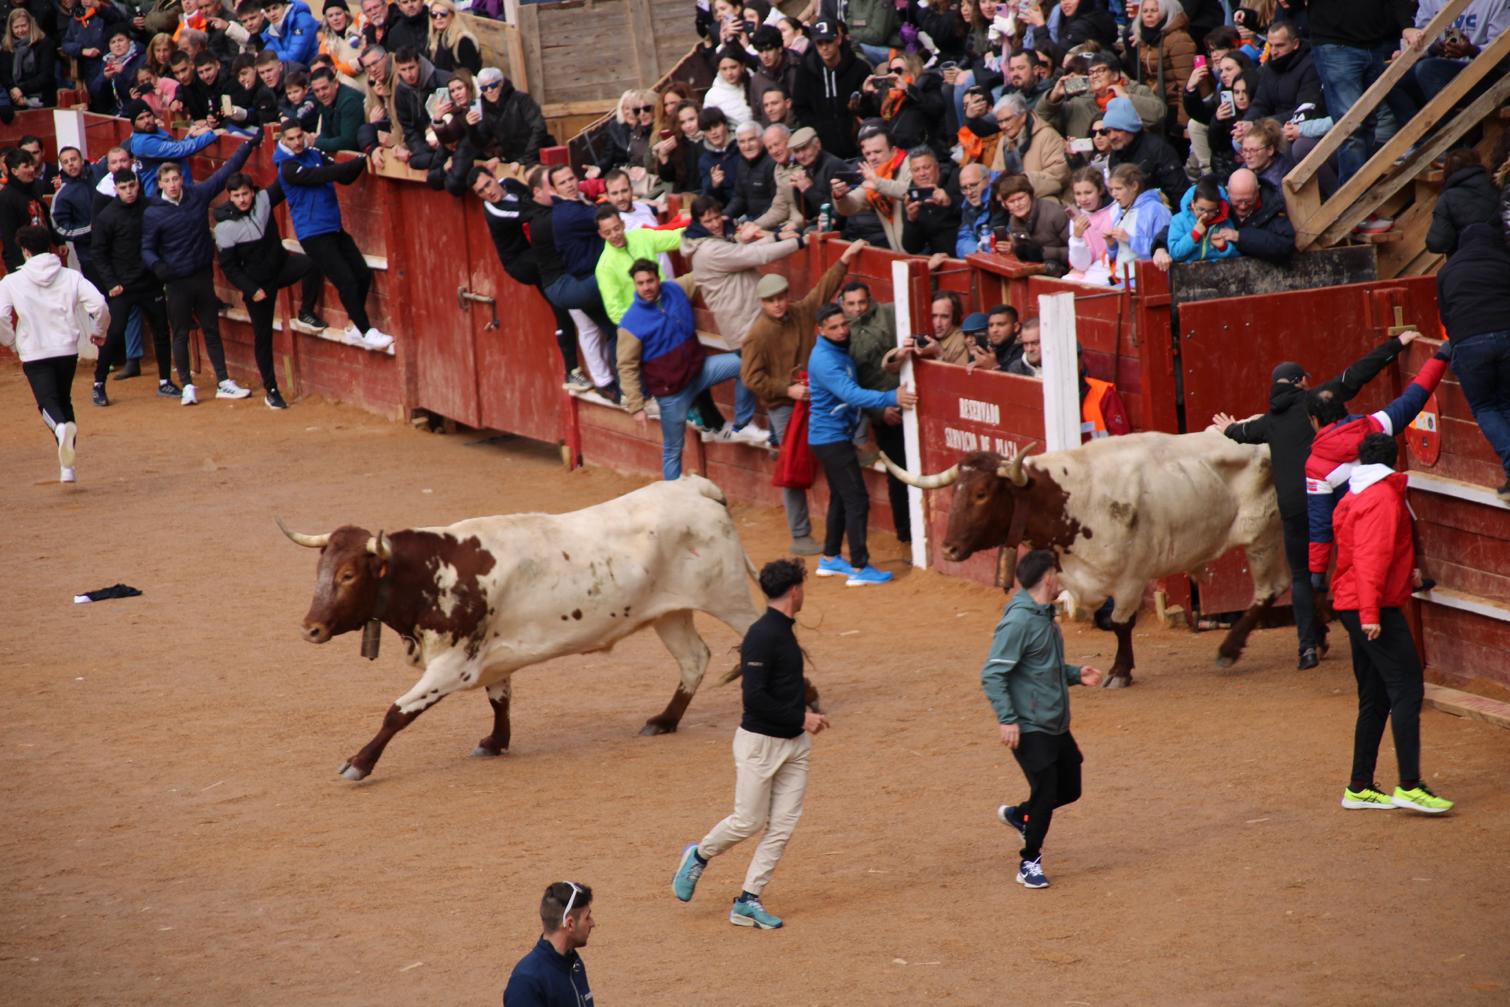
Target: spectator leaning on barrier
725 261
885 181
660 356
786 209
1468 196
309 179
55 310
253 259
512 127
177 246
1472 291
1203 228
1376 574
1030 364
1258 212
152 147
816 170
621 248
1000 345
1140 218
873 335
774 355
836 404
553 974
930 208
977 208
947 342
1038 228
340 112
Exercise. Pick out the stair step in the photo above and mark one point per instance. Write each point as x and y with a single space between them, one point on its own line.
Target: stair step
1466 704
1489 608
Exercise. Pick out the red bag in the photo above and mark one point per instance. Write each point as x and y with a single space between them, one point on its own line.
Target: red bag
796 467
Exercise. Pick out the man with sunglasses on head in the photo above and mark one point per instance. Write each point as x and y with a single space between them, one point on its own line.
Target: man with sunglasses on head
553 973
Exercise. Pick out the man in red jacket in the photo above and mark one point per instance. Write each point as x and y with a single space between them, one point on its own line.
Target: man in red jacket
1376 573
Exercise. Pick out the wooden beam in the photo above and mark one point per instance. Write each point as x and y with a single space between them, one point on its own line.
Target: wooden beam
641 27
560 109
529 32
1370 99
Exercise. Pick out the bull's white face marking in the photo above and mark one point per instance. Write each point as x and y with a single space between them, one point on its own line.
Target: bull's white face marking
445 580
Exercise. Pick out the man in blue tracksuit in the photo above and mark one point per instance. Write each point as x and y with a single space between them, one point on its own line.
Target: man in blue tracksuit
1027 682
309 178
151 148
552 974
836 400
292 31
177 246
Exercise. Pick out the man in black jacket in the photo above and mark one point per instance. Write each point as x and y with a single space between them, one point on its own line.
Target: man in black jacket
408 26
931 209
828 74
253 258
21 204
1472 291
513 127
771 749
1262 226
417 80
1287 80
1287 429
813 181
1132 144
116 252
754 176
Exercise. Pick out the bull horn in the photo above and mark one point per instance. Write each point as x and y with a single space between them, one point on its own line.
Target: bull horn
1012 467
308 541
380 547
933 482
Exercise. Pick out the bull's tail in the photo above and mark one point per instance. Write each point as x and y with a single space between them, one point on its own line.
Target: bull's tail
750 567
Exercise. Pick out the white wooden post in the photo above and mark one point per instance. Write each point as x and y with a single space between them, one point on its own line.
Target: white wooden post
68 126
1061 372
901 288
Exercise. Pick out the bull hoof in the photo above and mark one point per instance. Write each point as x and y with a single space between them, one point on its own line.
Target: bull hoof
352 773
652 728
485 752
1117 682
1225 660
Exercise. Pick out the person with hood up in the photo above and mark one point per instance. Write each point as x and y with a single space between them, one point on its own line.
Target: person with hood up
828 73
1026 680
1286 428
292 31
729 92
1202 229
1468 196
513 127
1472 291
1376 575
152 147
1138 221
55 310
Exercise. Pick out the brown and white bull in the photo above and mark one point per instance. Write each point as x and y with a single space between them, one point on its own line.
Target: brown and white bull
1119 512
476 601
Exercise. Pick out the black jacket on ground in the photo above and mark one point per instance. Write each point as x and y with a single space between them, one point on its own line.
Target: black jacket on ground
1161 166
115 244
1266 234
822 98
770 663
1286 427
1468 197
1473 288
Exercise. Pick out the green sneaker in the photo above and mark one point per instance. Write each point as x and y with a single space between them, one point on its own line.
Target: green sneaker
1367 797
1420 798
750 913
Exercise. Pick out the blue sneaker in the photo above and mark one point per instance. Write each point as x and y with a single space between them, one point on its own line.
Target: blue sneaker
867 575
750 913
1030 874
1011 817
835 566
687 873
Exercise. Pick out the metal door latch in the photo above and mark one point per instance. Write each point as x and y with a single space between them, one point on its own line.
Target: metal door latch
463 295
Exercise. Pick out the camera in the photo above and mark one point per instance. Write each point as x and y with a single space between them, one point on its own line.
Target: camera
849 178
1076 85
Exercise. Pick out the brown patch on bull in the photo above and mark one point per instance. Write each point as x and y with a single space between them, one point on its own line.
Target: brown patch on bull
983 514
566 555
576 613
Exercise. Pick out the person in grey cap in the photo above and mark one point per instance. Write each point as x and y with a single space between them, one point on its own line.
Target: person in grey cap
1287 429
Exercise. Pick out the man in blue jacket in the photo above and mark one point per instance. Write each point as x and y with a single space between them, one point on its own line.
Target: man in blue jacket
177 246
309 179
836 400
553 974
151 148
1027 682
292 31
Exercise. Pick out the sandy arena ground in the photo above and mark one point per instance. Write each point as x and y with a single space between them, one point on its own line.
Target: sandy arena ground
176 832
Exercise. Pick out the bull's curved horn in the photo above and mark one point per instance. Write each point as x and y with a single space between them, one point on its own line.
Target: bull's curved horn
1012 467
933 482
380 547
308 541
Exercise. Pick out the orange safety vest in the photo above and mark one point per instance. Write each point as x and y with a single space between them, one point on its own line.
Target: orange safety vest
1092 420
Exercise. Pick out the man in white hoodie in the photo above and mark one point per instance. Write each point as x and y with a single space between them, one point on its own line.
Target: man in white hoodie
55 309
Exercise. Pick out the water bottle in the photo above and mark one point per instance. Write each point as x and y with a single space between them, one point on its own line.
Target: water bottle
825 217
983 242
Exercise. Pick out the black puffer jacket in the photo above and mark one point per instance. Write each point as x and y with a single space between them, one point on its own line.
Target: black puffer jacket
512 127
754 187
115 244
1474 286
1284 83
1267 233
249 246
1468 197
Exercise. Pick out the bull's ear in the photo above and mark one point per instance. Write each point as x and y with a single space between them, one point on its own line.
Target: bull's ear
380 568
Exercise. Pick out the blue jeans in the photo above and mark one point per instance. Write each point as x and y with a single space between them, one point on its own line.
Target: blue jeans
716 370
570 292
873 53
1482 364
1346 72
134 349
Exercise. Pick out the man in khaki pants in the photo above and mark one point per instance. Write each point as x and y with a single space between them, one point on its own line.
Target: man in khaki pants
771 750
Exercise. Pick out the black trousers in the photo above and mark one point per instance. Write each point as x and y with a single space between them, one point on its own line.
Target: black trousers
848 503
190 298
150 303
1297 532
1051 762
890 440
295 268
51 380
1389 687
341 261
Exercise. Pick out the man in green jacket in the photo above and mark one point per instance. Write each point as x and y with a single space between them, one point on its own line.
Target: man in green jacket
341 113
620 250
1027 682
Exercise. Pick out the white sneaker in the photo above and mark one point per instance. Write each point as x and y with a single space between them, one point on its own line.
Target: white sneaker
352 335
751 434
67 434
190 397
67 475
229 389
375 340
723 435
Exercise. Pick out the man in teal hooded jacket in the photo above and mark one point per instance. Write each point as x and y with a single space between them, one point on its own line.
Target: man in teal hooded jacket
1027 682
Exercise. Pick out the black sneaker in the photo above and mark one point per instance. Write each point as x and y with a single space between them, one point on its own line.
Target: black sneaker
311 319
98 397
1012 818
133 369
1030 874
1308 659
169 390
273 400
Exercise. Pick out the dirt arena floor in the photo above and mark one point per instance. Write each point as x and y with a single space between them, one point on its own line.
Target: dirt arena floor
175 832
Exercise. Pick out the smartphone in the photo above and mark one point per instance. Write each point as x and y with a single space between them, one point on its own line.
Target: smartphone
1076 85
1226 99
665 134
226 107
919 193
1082 145
849 178
1200 61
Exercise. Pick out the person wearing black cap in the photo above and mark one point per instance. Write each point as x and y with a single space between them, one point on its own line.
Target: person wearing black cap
1287 429
827 75
775 65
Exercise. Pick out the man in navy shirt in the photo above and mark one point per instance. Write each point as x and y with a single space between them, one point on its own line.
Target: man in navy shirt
552 974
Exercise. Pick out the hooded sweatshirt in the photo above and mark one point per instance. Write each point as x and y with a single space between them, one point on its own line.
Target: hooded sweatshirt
822 98
1025 676
1375 549
56 307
